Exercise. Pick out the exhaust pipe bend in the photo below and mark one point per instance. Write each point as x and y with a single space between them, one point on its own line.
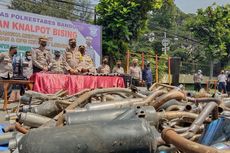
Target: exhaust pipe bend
161 85
150 99
20 128
9 128
194 128
206 100
166 97
175 108
185 145
175 114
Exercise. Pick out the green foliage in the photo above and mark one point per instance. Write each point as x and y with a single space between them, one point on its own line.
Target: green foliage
211 26
46 7
163 17
123 21
168 18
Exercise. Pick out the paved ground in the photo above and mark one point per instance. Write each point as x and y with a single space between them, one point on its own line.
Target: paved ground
4 113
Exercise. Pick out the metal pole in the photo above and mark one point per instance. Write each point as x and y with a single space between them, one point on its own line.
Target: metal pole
127 61
169 71
95 16
165 47
156 67
142 60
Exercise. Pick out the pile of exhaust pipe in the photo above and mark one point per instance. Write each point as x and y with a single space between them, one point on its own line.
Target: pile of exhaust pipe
119 120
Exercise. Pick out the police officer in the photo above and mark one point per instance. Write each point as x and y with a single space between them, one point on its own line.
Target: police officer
104 68
118 69
57 64
85 63
70 57
27 65
41 56
6 67
135 73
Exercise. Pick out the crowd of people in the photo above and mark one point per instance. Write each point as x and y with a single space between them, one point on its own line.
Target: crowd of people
75 60
223 80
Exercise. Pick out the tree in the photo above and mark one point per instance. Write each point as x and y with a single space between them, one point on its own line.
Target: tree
211 26
168 19
122 22
85 10
47 7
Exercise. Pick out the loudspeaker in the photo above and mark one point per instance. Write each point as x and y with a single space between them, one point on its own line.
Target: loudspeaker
175 70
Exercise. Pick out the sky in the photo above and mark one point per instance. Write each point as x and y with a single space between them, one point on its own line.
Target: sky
191 6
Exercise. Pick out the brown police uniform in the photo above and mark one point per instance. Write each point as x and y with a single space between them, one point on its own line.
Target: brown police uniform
135 72
41 59
6 67
70 59
104 69
118 70
57 66
6 70
85 61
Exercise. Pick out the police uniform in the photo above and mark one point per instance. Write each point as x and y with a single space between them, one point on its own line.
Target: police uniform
135 72
104 69
71 59
57 66
41 59
6 70
90 52
118 70
28 69
85 61
6 67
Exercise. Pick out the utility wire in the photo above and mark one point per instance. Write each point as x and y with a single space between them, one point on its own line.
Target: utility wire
34 3
72 3
178 35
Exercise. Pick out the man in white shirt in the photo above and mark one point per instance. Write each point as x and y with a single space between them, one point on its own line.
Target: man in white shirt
197 78
135 72
222 82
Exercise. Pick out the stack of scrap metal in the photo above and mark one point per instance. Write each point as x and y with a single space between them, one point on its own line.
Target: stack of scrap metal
119 120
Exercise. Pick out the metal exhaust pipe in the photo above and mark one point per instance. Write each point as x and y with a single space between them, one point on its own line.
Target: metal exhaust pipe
32 120
171 137
174 94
